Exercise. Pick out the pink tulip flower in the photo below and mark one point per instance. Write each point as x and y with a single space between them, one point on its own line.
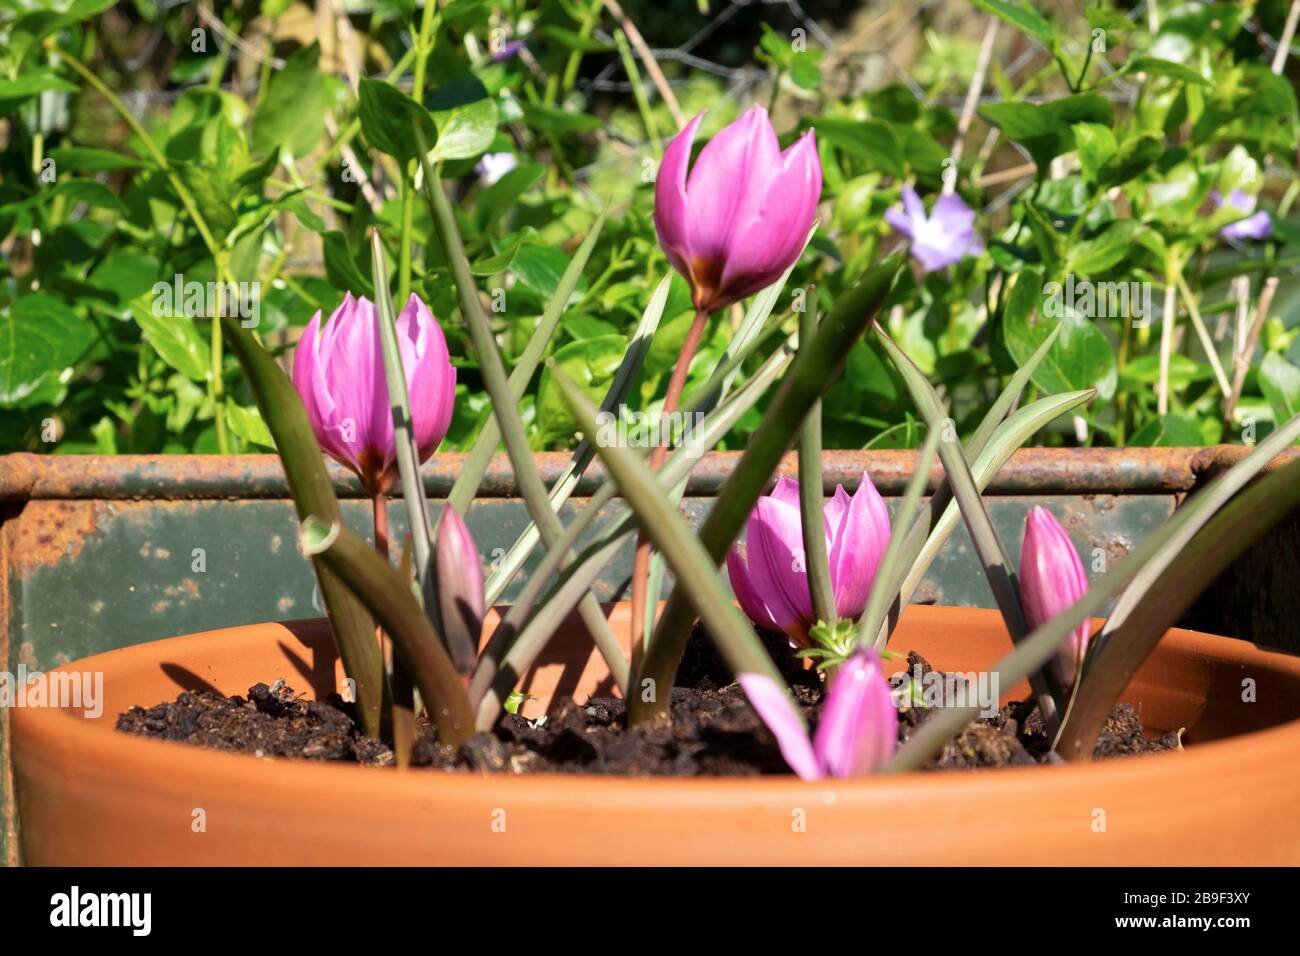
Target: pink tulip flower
771 581
339 372
1051 579
858 730
742 217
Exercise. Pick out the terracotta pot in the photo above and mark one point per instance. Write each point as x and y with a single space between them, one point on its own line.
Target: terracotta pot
88 795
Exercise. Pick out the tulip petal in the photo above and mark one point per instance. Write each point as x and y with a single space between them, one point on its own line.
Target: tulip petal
671 211
858 543
768 235
772 703
430 377
774 537
858 730
746 596
1052 578
787 490
728 179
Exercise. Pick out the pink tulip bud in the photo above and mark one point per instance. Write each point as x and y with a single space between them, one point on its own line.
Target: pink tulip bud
743 216
858 730
771 580
460 587
1051 579
339 372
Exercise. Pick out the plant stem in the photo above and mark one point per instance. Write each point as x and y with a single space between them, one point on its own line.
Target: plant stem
641 563
811 503
403 702
498 387
423 47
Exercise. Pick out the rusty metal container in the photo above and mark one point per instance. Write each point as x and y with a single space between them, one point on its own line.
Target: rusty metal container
102 552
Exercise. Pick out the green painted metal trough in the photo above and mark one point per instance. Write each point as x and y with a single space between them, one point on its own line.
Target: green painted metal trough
102 552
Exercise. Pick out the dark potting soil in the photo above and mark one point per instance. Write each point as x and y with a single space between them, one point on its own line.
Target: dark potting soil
713 731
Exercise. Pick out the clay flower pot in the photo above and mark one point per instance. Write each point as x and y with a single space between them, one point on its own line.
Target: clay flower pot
89 795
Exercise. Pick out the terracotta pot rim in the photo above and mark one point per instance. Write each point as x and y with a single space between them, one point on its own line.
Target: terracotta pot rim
37 724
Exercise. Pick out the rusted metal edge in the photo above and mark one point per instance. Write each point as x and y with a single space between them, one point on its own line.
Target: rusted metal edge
25 476
9 804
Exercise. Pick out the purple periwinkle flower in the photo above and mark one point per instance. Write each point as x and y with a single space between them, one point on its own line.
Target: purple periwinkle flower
339 372
495 165
858 730
941 238
1051 579
771 581
742 217
509 51
1257 226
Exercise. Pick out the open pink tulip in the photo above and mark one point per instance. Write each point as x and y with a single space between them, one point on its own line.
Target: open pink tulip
771 582
1051 579
742 217
858 730
339 372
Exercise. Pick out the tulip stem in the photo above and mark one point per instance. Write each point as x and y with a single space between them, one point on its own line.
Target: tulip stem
641 563
811 498
403 699
399 682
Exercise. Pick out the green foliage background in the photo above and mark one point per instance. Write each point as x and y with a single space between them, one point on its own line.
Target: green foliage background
1093 153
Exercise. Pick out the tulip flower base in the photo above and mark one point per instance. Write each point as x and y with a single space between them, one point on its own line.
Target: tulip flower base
713 731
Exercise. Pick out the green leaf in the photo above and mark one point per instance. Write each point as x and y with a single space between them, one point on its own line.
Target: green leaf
464 131
591 365
872 140
1155 66
493 372
1022 18
811 374
39 337
83 159
1097 255
292 116
628 371
389 598
175 338
495 201
1096 144
664 525
341 267
386 116
466 485
213 204
1188 564
14 93
551 120
1082 356
1135 156
1046 130
1279 380
1166 431
248 425
313 495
